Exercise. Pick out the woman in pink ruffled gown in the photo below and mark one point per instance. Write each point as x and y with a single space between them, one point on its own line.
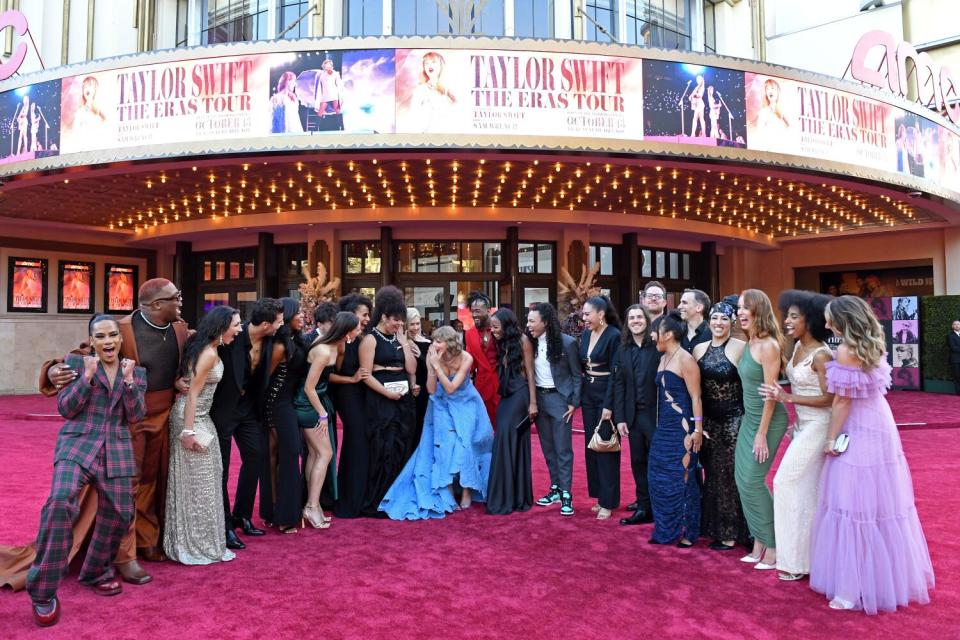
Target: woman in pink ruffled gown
868 550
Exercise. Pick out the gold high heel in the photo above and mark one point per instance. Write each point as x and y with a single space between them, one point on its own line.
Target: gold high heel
309 513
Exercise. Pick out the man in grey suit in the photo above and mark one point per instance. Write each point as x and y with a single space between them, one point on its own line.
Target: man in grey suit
557 371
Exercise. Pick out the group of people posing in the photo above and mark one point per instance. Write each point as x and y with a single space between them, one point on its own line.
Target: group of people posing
428 426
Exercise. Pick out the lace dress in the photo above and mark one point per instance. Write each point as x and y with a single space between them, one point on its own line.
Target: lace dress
795 486
193 532
722 516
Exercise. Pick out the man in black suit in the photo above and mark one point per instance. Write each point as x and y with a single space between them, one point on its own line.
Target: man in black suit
635 403
558 374
236 411
953 341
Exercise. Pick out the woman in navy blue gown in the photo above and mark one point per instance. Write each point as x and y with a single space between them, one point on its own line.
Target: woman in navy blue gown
456 441
672 467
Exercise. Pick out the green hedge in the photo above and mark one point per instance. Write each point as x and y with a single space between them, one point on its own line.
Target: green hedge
936 313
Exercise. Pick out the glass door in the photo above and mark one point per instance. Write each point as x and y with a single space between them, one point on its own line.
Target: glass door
432 301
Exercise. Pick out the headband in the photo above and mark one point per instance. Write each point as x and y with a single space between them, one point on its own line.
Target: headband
724 308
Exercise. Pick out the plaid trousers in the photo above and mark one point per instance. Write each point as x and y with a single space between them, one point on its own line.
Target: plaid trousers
115 510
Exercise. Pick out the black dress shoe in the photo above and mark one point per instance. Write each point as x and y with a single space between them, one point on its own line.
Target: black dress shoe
633 506
233 542
716 545
247 527
640 516
46 614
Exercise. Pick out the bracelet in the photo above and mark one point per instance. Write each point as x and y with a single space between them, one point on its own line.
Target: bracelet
187 432
697 418
322 418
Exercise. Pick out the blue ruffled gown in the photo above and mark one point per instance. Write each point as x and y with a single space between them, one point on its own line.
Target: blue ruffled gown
672 468
457 440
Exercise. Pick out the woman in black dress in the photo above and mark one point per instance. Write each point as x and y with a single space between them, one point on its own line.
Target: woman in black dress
722 515
281 496
598 351
349 394
391 411
421 344
635 403
510 487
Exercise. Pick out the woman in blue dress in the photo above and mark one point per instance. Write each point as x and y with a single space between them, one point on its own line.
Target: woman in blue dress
672 467
457 440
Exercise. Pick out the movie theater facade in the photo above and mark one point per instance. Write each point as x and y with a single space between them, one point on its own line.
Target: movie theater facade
443 165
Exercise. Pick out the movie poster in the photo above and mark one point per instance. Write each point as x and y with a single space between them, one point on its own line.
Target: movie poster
30 122
75 293
121 283
517 92
27 284
329 91
903 341
786 116
186 101
693 104
879 283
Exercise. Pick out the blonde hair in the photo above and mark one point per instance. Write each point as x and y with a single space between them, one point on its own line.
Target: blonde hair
765 324
853 318
448 335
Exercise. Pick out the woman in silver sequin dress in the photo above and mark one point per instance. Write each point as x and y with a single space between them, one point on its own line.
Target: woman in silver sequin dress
194 525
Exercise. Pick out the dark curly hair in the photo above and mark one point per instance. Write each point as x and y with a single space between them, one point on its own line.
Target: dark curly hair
673 323
209 329
509 347
325 312
811 306
478 296
352 301
554 343
602 303
265 310
388 303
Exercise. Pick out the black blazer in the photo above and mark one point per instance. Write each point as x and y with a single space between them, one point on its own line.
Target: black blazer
234 356
953 341
635 387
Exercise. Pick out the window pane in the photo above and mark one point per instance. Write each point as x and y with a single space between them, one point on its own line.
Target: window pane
234 270
606 261
674 265
544 258
425 18
525 257
449 257
491 257
535 294
604 13
234 20
371 262
406 257
592 256
221 270
661 265
427 258
212 300
245 302
207 270
363 18
533 18
659 23
249 270
686 266
288 12
471 257
646 270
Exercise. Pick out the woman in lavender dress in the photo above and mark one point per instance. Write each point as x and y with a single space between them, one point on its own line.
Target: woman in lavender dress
868 550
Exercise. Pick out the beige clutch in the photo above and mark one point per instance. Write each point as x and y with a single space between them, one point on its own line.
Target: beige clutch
401 386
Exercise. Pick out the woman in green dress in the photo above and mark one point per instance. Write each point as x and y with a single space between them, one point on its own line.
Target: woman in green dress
764 422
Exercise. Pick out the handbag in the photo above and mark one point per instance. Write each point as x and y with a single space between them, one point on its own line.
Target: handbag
400 386
841 443
598 444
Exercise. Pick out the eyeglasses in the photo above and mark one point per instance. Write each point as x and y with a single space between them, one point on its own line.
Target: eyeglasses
178 297
653 296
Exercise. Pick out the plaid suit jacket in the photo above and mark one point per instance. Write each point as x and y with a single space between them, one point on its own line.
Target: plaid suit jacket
98 417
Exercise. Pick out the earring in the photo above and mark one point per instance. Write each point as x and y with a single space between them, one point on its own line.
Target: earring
221 339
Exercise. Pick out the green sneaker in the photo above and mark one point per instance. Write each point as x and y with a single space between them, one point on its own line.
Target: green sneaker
566 504
552 497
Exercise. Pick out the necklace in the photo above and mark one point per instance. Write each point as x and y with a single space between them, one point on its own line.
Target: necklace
667 363
392 339
163 328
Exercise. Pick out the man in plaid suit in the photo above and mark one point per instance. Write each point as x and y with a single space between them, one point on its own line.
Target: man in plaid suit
93 447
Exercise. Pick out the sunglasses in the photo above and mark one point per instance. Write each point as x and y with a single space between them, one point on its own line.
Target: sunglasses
178 297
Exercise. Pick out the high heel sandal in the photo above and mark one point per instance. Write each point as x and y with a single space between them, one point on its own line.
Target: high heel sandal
290 529
595 508
308 514
754 560
604 514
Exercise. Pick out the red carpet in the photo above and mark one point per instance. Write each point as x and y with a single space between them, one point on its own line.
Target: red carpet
477 576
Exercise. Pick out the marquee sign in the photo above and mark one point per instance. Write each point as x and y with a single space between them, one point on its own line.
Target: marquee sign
935 85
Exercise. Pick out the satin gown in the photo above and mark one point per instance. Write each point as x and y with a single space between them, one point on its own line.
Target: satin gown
672 467
193 531
354 459
456 442
795 485
511 477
